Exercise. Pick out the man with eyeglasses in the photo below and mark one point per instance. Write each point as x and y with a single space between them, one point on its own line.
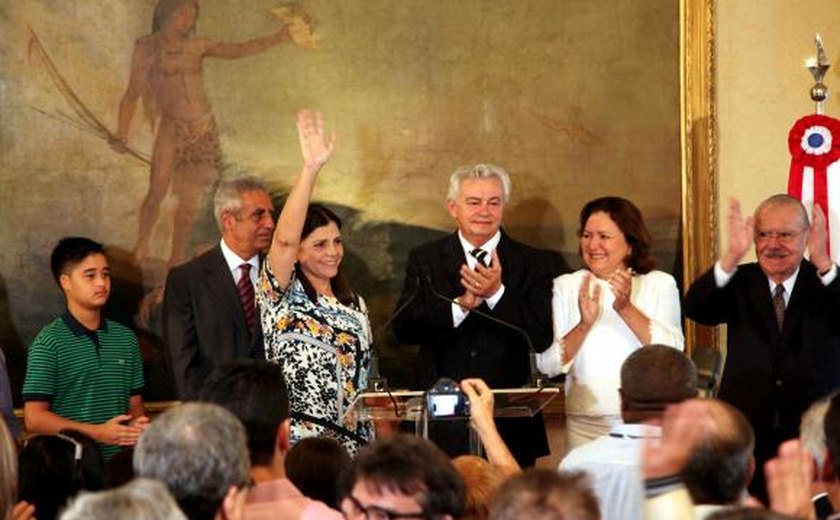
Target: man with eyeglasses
402 477
210 314
782 315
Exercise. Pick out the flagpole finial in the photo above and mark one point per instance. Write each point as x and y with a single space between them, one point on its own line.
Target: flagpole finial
818 66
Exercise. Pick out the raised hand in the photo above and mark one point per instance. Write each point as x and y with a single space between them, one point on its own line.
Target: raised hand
683 427
621 284
817 240
315 146
789 478
740 236
589 302
481 404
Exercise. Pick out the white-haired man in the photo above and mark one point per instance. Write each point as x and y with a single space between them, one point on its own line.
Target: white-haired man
481 268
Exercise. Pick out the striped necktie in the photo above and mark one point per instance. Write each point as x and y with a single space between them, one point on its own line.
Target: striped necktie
246 296
480 255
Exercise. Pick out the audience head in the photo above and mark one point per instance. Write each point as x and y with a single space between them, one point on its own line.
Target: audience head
812 434
781 235
542 494
722 464
54 468
321 253
832 432
653 377
245 215
314 465
402 475
199 450
8 472
613 236
140 499
255 392
481 480
476 199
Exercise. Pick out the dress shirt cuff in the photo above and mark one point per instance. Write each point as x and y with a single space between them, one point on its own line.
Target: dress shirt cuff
722 277
458 315
493 300
829 277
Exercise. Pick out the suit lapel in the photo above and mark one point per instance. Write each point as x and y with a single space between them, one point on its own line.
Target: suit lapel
802 290
452 258
760 293
220 283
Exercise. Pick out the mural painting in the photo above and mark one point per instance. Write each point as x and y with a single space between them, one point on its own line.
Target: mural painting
119 132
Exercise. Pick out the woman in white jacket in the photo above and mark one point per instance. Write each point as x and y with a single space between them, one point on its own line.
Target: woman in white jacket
602 313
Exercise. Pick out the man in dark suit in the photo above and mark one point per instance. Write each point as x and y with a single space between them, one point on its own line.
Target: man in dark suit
782 315
481 268
209 310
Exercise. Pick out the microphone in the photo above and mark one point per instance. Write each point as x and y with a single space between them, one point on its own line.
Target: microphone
537 379
375 381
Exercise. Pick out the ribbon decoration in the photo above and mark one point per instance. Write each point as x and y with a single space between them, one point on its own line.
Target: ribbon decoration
813 142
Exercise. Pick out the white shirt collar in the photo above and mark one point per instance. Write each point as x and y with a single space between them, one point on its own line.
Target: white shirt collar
788 285
488 246
234 261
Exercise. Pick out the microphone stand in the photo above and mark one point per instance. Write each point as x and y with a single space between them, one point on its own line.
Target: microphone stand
537 379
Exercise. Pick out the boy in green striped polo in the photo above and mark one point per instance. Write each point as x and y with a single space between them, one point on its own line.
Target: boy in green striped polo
84 372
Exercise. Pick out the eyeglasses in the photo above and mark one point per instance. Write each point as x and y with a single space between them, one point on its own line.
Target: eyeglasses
781 236
351 508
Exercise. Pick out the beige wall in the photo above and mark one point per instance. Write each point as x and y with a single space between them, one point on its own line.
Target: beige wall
762 88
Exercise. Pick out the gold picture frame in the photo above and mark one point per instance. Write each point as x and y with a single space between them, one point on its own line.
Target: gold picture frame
698 151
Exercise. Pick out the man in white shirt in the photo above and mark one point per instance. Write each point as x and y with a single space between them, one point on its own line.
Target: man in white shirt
651 378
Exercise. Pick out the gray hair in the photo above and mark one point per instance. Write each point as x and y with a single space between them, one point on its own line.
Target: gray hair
812 430
199 451
140 499
478 171
228 195
783 199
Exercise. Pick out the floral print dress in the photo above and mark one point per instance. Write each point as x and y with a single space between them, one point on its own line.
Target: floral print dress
324 350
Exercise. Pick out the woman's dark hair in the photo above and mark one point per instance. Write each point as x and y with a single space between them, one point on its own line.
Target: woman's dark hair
318 215
629 220
54 468
314 465
165 8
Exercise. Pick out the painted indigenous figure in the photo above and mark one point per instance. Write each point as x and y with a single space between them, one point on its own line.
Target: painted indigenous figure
166 73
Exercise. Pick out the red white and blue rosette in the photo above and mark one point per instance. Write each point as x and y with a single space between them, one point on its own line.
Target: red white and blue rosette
814 142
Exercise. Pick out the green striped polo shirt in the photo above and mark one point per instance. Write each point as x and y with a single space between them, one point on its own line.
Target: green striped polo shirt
86 376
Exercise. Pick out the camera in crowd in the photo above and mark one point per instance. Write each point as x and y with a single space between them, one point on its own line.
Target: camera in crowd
445 400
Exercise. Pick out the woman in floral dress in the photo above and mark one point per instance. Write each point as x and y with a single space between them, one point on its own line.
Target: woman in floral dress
315 327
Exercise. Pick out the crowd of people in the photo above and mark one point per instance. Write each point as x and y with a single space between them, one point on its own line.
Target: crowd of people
269 347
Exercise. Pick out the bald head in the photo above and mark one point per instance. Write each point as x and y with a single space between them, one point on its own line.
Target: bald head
721 466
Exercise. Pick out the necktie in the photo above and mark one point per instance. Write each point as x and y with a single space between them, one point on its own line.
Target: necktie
779 304
246 296
480 255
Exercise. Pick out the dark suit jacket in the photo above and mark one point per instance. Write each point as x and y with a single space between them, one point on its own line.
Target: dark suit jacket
773 376
204 324
479 347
